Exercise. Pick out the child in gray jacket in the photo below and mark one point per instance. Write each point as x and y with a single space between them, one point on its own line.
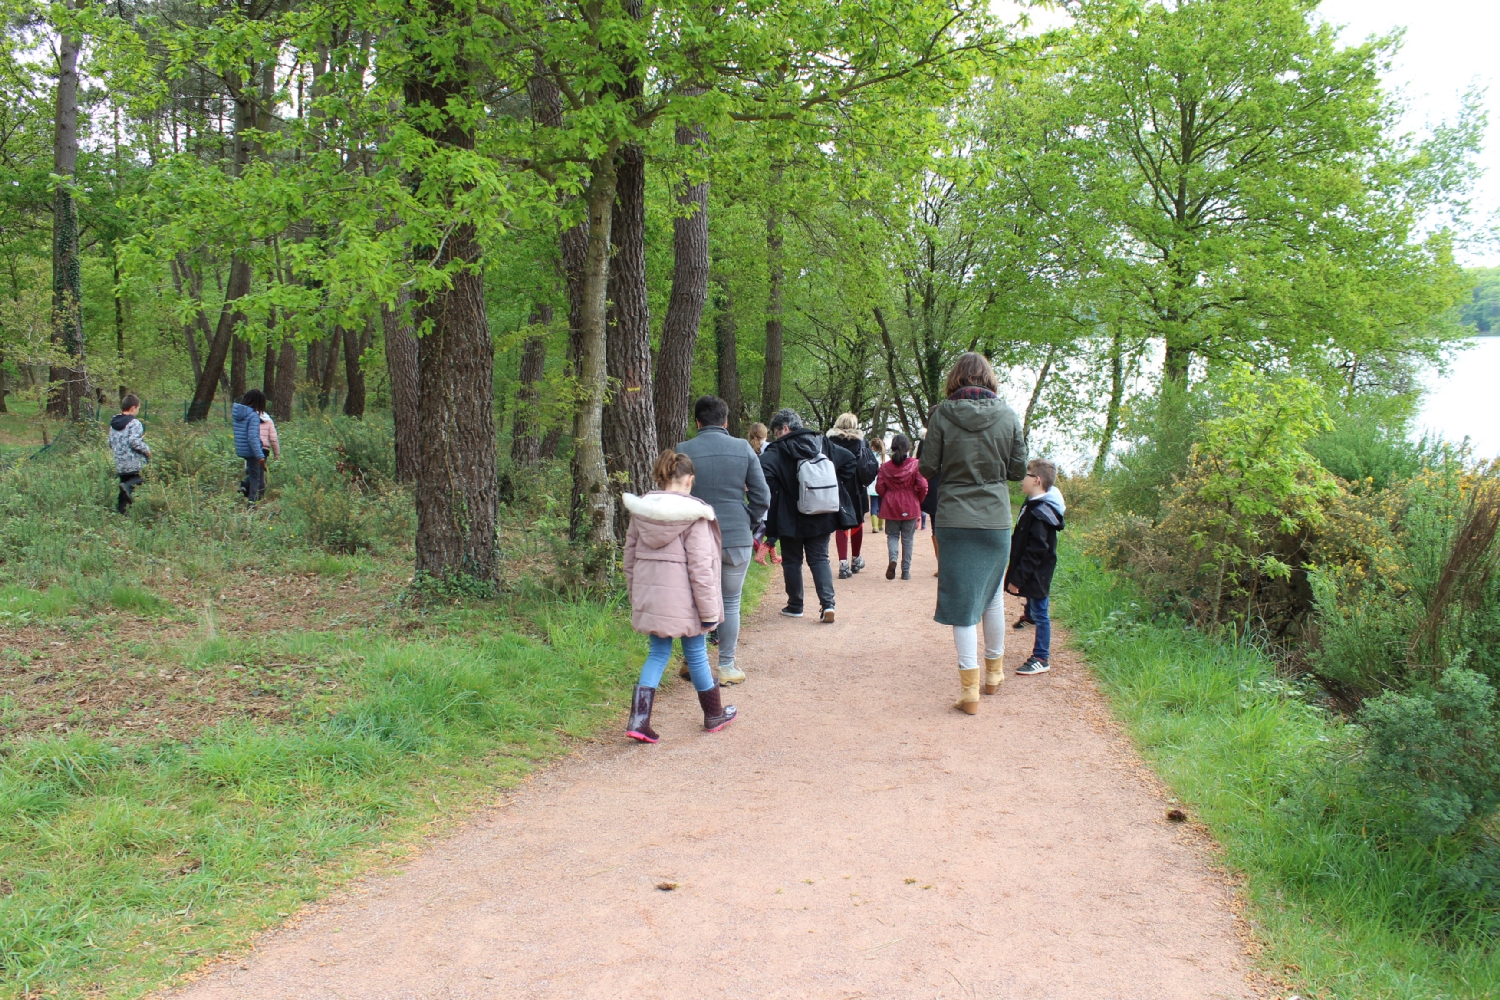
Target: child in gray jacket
127 439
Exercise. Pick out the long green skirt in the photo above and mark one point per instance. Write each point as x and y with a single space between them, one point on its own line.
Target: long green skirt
971 567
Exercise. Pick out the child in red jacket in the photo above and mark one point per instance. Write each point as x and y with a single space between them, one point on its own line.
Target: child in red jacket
901 489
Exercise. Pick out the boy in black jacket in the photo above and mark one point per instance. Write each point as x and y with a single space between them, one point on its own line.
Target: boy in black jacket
1033 557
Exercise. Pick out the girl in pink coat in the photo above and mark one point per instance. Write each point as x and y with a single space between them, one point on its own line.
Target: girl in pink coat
672 568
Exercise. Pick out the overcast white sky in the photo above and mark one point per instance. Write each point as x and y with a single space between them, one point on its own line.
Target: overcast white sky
1449 46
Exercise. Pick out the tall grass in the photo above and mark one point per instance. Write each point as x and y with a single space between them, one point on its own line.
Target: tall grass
1344 910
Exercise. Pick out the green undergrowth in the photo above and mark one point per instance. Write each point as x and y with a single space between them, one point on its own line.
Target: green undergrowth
211 714
1344 909
128 862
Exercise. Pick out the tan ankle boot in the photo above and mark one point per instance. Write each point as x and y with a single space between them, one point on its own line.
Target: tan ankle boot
968 702
994 674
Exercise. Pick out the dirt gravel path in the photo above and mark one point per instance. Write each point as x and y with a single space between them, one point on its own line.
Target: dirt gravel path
850 836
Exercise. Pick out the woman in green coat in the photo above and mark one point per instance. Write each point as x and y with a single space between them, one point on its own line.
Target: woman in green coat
974 446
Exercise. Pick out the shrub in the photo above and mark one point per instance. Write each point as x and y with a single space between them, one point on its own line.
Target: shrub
1436 753
342 520
1227 543
1165 428
1418 591
182 451
1368 453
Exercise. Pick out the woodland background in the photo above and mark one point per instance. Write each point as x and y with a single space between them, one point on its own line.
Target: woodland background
483 257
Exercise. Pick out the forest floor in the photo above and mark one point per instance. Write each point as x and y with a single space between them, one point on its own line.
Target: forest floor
849 836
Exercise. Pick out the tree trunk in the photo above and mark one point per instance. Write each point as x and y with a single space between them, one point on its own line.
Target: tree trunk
1179 357
591 515
679 334
268 374
70 381
315 362
770 391
457 487
728 353
114 261
237 288
218 351
354 375
286 381
1116 398
401 360
239 363
1036 394
547 109
890 370
630 445
331 354
180 267
526 439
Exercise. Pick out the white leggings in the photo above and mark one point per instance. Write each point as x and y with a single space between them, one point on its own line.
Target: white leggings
966 637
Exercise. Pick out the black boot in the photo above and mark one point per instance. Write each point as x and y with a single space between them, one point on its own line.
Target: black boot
715 715
639 726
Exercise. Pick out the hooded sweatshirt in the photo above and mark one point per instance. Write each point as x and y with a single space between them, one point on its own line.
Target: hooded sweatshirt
672 564
127 439
902 490
246 432
974 446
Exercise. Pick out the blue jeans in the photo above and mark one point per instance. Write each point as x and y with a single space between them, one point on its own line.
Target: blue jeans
694 650
1037 607
732 585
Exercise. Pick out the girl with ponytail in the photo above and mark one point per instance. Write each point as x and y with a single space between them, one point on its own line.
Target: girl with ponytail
672 566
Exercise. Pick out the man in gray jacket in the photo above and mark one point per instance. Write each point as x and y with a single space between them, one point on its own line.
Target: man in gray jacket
729 477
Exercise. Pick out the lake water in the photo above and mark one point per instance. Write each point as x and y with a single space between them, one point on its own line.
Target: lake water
1466 403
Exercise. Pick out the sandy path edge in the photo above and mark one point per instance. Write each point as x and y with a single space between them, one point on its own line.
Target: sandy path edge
851 835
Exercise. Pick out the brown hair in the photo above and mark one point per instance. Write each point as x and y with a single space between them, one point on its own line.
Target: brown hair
671 465
1044 470
971 369
130 400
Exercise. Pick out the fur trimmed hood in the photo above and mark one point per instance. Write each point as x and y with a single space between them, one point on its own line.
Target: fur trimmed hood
668 508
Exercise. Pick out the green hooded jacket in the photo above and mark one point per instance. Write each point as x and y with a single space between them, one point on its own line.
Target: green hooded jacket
974 447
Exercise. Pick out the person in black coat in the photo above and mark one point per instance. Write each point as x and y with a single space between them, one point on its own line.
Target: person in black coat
1033 557
930 501
804 537
846 434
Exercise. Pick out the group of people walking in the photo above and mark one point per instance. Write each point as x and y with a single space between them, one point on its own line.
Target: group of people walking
255 441
719 499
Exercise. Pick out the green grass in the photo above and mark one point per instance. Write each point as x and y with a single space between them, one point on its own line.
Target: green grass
129 856
127 863
19 605
1344 911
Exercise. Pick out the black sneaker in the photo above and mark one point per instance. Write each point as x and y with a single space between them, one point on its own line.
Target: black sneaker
1022 622
890 571
1032 667
713 637
844 572
826 616
857 563
792 612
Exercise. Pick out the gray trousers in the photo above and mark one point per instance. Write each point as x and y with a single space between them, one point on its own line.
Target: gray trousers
903 532
732 585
